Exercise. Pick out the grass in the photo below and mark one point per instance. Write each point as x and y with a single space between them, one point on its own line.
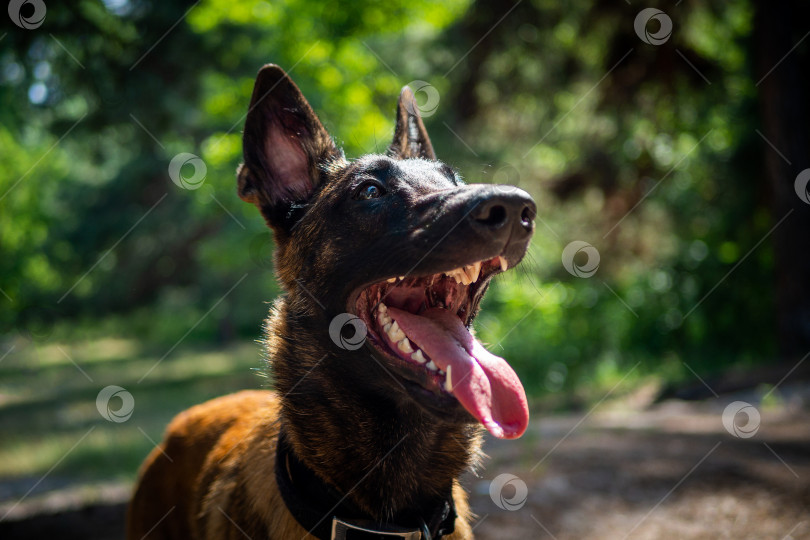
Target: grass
48 415
51 426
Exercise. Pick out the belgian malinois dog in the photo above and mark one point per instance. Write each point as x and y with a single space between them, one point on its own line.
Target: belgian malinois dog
381 390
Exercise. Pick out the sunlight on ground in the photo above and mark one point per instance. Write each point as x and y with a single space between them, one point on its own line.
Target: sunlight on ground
49 416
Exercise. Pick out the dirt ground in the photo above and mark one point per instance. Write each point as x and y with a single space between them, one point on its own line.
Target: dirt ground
672 471
669 471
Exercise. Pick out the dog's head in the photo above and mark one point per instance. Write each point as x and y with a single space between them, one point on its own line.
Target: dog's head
397 241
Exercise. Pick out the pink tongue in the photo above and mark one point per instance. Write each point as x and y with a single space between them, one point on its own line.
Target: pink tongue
483 383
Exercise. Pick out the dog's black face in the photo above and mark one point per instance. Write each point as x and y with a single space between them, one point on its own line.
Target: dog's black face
397 240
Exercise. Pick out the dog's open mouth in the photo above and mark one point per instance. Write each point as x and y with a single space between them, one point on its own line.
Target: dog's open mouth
421 325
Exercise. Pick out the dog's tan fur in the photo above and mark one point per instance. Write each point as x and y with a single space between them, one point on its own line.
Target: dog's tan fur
215 469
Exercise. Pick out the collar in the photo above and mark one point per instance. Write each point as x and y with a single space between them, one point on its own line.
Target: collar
327 515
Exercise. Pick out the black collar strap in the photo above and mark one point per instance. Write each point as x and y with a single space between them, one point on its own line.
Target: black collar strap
327 515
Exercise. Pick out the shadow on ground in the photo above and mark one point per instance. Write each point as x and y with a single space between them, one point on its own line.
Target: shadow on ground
672 471
669 472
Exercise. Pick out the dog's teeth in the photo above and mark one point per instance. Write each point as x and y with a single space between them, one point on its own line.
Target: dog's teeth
395 333
431 366
472 271
419 357
391 280
468 273
405 346
465 274
448 382
504 264
401 278
384 317
387 327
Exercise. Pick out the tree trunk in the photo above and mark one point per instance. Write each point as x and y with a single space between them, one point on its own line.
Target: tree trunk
784 91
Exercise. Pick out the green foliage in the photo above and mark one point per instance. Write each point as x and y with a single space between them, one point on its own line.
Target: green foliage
623 145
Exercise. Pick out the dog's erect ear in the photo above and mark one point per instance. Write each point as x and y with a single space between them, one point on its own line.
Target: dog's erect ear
410 136
285 145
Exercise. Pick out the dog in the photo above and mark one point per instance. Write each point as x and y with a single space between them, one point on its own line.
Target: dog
381 391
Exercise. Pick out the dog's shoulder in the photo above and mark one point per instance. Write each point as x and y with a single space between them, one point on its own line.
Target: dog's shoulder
217 416
178 474
236 481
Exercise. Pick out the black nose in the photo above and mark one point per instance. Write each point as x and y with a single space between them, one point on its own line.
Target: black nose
505 207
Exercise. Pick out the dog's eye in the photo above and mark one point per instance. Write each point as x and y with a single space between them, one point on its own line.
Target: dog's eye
369 190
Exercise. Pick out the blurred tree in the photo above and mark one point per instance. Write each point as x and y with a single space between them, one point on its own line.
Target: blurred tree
112 91
784 84
658 143
648 152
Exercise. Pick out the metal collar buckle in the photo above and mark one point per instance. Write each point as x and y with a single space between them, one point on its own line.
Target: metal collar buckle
341 529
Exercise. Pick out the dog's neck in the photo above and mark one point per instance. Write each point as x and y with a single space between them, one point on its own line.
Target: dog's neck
388 456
